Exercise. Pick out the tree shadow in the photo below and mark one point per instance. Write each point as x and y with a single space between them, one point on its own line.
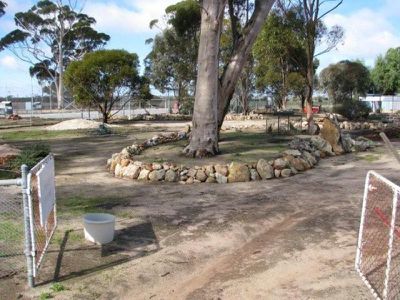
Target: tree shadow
75 259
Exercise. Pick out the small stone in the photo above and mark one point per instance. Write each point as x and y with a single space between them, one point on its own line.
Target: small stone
138 163
286 172
184 178
196 181
201 175
221 169
264 169
143 175
221 178
183 173
190 180
277 173
171 176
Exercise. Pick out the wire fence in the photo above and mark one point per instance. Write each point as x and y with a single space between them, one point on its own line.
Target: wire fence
12 258
378 251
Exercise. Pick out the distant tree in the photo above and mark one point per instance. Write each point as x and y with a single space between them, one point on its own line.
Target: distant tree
171 65
345 80
49 36
103 78
315 33
386 72
281 65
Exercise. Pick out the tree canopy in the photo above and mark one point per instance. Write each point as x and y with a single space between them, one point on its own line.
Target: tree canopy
345 80
280 55
50 35
386 72
172 63
103 78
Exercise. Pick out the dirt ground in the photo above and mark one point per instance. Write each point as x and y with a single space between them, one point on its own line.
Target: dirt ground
291 238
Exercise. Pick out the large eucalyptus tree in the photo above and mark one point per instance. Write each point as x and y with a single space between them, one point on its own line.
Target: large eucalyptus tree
50 35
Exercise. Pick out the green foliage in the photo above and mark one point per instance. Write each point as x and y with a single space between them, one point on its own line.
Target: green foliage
344 80
45 295
386 73
171 65
353 109
281 56
103 78
39 35
30 155
185 17
57 287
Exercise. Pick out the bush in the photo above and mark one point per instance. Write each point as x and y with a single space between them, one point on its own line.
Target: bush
30 156
353 109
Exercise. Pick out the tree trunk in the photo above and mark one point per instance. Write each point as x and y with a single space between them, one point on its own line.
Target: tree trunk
204 138
240 56
60 91
309 94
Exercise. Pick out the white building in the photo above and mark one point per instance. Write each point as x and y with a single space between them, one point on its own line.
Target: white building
386 104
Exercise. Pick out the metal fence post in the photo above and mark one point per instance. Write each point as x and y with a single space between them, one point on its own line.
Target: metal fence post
28 238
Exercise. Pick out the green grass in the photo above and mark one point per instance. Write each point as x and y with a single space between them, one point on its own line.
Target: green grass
370 157
77 205
246 147
40 135
57 287
45 295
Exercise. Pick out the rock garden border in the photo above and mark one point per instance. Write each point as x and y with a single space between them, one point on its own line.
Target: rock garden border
303 154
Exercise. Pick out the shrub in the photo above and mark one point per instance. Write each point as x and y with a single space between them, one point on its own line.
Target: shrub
353 109
30 156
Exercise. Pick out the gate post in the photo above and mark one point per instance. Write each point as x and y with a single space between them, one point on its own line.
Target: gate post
27 229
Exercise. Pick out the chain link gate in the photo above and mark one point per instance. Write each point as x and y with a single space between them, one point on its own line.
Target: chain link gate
378 250
23 232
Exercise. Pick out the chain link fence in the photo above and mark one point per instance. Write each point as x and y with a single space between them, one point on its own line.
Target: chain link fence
12 257
378 251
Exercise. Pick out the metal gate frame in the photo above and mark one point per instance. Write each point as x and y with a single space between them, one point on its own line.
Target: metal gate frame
392 230
33 254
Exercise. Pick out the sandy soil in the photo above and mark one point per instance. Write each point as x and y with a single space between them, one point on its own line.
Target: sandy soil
292 238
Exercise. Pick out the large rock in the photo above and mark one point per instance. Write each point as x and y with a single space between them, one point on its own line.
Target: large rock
322 145
309 157
221 169
347 142
192 172
331 133
201 175
131 171
157 175
144 174
286 172
297 164
118 170
254 175
209 170
293 152
280 163
221 178
265 169
171 176
301 144
238 172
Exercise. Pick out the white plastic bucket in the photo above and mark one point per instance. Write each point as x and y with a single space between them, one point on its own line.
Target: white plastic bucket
99 228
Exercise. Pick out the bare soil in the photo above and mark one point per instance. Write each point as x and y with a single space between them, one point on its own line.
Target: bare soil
291 238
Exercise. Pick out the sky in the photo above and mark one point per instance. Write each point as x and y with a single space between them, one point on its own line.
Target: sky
370 28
